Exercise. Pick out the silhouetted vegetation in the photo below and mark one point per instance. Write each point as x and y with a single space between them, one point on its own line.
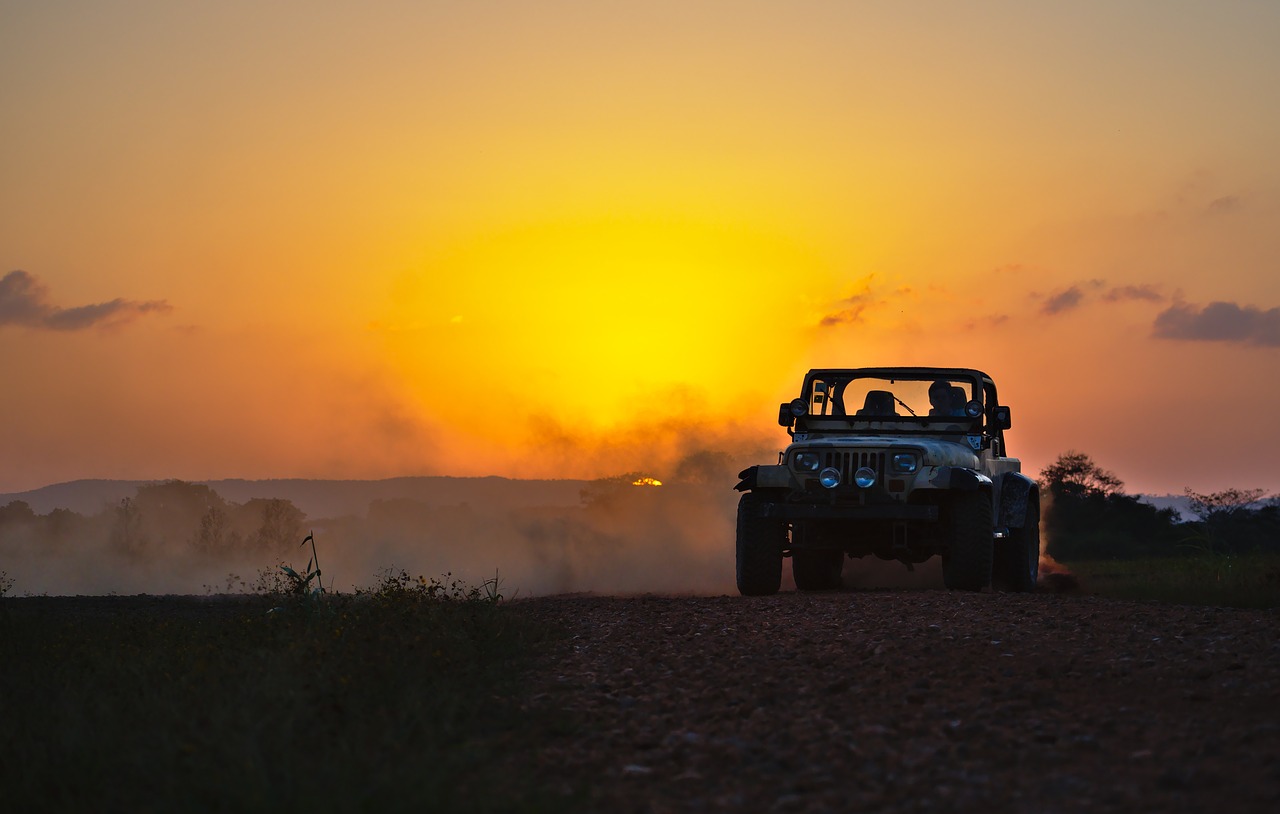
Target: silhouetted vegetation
1235 521
1227 580
1088 516
406 696
170 515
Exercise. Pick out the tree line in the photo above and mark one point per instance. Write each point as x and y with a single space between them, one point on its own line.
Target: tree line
1088 515
169 516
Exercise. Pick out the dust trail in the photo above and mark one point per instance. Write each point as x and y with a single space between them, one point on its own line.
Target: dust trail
677 538
177 537
1053 576
611 536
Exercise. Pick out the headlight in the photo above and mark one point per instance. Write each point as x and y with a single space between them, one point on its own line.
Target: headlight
807 461
865 477
829 477
905 462
973 409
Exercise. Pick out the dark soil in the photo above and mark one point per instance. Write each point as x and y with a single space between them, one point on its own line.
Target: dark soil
910 701
923 700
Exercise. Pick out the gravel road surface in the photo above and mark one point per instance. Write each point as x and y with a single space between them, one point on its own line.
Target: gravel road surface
911 701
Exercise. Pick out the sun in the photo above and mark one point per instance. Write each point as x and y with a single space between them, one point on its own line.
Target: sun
600 314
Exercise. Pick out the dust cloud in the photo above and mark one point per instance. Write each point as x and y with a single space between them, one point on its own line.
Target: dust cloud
638 532
1053 575
605 536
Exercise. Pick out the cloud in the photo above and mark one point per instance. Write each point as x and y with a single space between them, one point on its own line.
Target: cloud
1220 322
1063 301
850 309
850 315
1146 293
24 300
1080 293
1224 205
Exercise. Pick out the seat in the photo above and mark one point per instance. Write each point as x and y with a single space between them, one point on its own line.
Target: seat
878 402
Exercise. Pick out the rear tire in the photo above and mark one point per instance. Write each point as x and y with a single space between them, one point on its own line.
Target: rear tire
967 561
760 541
817 569
1018 565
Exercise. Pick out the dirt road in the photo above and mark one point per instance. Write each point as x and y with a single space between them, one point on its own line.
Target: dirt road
912 701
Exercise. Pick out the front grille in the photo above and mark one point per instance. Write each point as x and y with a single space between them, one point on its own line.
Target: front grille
849 462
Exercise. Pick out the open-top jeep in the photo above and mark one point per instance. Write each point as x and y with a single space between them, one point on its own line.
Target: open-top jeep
900 462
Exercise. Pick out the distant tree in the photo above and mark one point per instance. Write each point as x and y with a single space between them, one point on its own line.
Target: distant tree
173 511
215 535
64 528
17 512
1075 474
279 524
17 523
1228 501
1087 515
126 528
1235 521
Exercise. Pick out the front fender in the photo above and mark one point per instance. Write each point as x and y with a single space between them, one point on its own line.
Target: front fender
1016 492
763 477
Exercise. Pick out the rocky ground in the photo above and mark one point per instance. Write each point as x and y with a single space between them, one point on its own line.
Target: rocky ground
910 701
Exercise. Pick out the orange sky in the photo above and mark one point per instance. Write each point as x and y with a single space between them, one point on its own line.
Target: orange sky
579 238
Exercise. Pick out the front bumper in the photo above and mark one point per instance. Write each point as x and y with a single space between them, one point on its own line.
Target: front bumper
845 511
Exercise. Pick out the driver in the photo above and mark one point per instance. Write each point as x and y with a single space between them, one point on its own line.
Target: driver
945 400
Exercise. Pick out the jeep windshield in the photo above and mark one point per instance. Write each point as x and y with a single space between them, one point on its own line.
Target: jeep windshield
934 403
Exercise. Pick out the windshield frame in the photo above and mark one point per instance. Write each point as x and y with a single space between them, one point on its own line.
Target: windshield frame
838 417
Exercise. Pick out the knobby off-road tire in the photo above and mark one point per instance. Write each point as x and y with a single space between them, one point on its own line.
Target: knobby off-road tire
966 563
817 569
1018 556
760 544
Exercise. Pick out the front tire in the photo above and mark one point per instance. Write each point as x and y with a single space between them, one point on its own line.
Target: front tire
1018 565
817 569
967 561
760 541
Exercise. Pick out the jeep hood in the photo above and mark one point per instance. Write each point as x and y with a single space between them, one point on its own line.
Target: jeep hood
937 452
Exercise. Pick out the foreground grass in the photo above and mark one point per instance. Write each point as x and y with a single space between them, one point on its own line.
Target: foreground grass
395 701
1240 581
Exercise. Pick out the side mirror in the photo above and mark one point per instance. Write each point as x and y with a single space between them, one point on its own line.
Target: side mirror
1000 419
791 410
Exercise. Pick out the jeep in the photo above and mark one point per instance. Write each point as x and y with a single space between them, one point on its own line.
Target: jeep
898 462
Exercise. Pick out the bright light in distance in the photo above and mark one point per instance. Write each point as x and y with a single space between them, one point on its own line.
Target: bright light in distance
646 482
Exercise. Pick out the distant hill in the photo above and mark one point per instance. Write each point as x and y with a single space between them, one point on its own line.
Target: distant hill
1179 503
323 498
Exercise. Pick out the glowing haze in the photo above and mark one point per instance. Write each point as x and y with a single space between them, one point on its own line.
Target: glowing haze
579 238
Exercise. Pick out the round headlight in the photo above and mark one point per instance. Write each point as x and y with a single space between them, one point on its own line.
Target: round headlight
904 462
865 477
973 409
799 407
829 477
807 461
